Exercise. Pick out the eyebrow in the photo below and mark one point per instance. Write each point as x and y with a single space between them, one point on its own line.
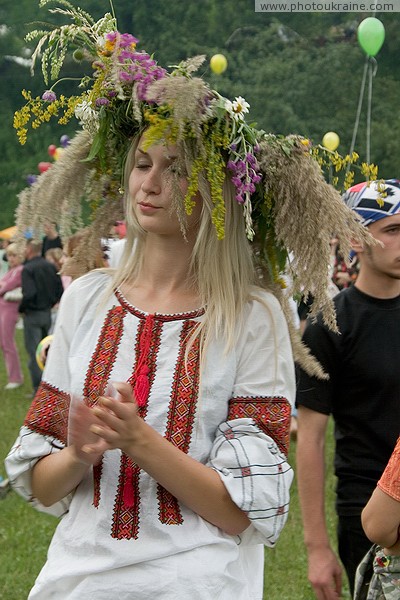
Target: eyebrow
390 226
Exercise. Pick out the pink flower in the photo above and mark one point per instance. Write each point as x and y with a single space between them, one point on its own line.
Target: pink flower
49 96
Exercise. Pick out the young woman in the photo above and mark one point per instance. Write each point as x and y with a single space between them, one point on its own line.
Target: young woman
189 471
10 297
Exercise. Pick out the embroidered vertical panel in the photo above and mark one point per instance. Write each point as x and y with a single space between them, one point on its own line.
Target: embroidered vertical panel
104 355
48 413
181 414
99 370
127 503
271 414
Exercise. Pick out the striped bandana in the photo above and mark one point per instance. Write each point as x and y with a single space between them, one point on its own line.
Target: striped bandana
363 199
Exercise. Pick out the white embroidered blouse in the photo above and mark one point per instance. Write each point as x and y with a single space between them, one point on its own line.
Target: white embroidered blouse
121 533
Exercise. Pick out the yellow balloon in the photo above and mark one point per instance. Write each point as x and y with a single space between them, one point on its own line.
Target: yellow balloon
331 140
218 64
41 351
57 153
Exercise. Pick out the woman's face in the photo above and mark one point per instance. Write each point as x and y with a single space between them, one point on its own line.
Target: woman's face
151 189
68 266
14 259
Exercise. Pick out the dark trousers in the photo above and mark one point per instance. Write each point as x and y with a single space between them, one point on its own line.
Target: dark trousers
353 544
36 327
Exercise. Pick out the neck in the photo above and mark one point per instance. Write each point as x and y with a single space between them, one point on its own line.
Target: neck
162 283
378 285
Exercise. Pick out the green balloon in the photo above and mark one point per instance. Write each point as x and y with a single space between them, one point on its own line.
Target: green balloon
371 35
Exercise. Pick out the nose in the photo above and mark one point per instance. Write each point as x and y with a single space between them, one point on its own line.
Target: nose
151 183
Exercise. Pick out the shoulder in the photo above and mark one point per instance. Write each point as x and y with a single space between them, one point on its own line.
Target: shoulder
84 295
88 286
263 311
262 303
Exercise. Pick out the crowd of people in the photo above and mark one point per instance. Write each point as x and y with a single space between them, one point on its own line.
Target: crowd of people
159 428
36 273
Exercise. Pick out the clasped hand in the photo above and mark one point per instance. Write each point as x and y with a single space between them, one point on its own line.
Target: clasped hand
112 423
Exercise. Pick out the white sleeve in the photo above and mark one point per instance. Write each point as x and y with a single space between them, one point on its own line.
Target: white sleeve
46 423
251 446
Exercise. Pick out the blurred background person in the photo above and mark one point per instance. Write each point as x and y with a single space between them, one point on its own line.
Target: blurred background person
51 238
3 257
41 290
73 247
10 297
55 256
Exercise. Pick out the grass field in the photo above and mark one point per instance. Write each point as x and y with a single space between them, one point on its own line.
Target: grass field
25 533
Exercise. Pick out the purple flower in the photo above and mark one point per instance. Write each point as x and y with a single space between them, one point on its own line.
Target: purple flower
124 39
231 165
233 147
124 76
237 182
102 101
97 64
240 166
49 96
251 159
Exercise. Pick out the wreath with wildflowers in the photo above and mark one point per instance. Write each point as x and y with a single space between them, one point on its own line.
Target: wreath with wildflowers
277 180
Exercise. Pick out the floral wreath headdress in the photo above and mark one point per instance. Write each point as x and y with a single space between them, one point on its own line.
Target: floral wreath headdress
290 211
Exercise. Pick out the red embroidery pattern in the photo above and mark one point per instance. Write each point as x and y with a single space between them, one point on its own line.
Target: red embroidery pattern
48 413
127 501
99 371
152 352
104 355
97 472
126 518
271 414
181 413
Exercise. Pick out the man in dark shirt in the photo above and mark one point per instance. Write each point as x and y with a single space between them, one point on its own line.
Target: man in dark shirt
362 393
51 238
41 290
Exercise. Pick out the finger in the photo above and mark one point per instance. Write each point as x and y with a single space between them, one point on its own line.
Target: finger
105 433
105 414
115 408
125 391
97 448
338 583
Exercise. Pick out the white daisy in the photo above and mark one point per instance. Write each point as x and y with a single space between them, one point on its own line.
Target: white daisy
239 107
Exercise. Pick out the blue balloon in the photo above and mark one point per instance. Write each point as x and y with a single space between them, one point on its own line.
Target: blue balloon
31 179
64 141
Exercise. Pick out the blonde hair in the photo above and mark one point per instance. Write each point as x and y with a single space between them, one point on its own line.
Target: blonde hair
55 254
17 249
222 271
79 261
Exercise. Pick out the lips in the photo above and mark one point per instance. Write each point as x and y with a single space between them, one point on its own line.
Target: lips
147 205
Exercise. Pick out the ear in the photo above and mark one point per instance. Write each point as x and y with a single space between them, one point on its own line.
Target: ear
357 246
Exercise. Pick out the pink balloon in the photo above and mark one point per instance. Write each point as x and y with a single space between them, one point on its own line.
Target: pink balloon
43 166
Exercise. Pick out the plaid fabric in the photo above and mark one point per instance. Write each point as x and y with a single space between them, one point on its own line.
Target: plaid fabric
378 576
